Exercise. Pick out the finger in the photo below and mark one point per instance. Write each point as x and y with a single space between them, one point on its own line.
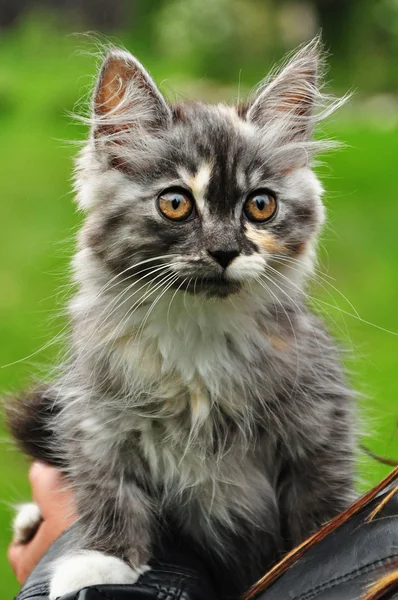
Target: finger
58 512
50 492
24 557
14 556
43 479
23 560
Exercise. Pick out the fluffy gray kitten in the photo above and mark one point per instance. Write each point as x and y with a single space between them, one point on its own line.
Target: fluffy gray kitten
201 395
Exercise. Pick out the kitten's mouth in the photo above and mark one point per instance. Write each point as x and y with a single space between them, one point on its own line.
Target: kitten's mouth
212 286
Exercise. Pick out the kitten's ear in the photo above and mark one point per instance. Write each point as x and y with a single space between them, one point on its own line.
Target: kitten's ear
126 96
291 93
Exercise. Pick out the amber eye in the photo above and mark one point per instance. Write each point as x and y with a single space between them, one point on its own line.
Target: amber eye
260 206
176 205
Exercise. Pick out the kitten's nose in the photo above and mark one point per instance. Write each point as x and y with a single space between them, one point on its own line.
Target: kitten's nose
224 257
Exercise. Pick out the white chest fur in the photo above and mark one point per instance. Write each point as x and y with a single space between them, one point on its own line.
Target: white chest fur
181 369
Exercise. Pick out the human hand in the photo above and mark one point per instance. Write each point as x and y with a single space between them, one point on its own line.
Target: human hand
57 513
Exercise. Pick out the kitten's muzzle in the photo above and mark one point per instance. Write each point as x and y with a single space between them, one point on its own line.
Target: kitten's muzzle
224 257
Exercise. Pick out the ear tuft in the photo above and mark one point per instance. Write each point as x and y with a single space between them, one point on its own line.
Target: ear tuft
126 96
116 72
291 92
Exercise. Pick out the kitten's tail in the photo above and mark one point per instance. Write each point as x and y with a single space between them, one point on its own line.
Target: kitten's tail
30 419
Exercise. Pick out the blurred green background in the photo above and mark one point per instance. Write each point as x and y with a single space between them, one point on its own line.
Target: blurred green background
208 49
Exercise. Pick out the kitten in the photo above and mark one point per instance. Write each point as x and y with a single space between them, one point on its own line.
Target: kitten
200 391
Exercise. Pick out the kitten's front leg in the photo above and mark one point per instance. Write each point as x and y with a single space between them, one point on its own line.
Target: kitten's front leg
112 540
313 490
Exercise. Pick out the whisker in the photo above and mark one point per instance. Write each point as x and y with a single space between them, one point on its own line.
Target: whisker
128 315
170 303
117 304
345 312
169 284
356 315
318 275
310 299
295 383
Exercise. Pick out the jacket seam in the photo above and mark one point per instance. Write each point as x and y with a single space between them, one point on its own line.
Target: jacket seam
36 588
309 594
170 592
42 588
101 592
180 572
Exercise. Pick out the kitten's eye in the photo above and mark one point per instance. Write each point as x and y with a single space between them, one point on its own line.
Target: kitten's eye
260 206
176 205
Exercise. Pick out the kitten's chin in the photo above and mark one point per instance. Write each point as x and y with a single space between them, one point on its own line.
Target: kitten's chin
212 287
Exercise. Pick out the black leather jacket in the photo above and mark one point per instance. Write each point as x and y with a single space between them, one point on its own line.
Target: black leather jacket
340 567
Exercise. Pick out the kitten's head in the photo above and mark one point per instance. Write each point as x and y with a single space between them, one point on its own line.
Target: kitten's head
207 199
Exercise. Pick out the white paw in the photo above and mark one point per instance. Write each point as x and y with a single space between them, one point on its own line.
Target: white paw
88 567
26 522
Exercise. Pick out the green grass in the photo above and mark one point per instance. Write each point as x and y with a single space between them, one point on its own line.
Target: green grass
360 250
39 82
